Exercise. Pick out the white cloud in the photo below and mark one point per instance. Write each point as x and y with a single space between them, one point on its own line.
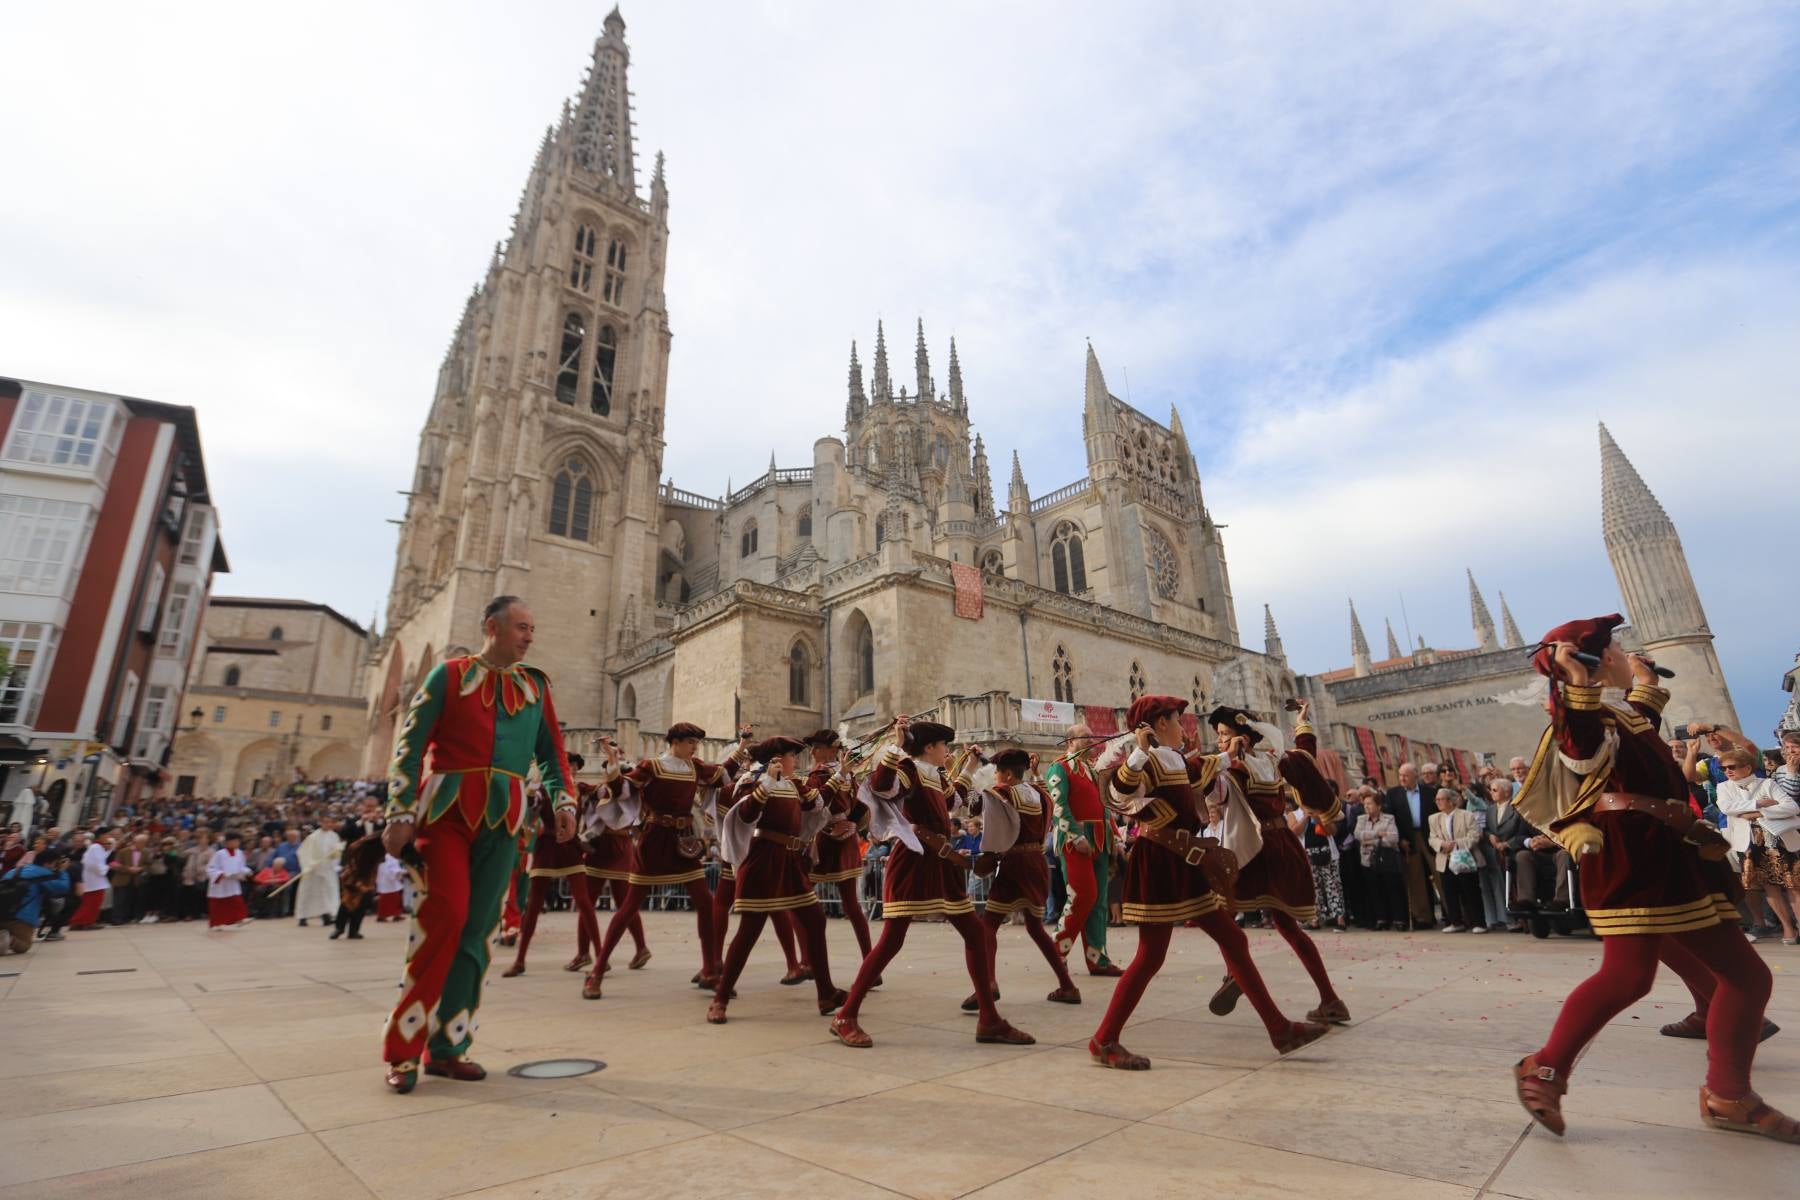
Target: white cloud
1355 232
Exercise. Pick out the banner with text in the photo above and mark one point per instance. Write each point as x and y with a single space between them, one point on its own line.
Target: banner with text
1047 712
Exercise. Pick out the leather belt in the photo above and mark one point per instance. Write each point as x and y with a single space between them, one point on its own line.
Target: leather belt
1675 814
1027 848
780 839
1218 864
664 819
939 845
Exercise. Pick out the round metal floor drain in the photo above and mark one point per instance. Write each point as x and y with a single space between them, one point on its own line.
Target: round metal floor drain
557 1068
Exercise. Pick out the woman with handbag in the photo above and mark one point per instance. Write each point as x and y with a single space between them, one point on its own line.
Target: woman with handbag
1318 839
1378 839
1453 837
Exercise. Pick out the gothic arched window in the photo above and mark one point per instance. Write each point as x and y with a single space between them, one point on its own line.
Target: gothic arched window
798 670
1068 566
275 634
606 354
568 371
613 292
572 501
232 675
865 660
803 525
581 270
1063 675
1138 683
747 540
628 703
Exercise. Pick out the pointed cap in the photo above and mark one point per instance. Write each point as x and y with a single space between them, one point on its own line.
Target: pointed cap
1627 507
1509 627
615 21
1271 636
1393 649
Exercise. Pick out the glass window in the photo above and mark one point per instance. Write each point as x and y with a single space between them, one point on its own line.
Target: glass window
29 647
803 526
606 357
614 291
1068 566
173 642
747 540
865 660
797 674
274 718
219 715
232 677
572 501
275 634
195 536
581 270
127 706
40 541
325 723
63 431
568 371
152 599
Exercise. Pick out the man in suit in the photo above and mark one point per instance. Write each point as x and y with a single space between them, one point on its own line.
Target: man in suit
1411 805
1540 864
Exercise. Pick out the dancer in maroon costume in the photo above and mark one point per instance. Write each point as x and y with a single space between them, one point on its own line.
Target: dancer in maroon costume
925 874
1605 783
606 858
666 792
837 855
767 832
1165 883
551 861
1278 880
725 892
1022 876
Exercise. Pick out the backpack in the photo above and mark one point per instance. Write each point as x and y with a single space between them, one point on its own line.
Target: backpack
15 893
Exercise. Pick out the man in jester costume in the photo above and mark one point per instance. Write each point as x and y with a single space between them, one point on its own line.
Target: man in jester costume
1082 838
485 719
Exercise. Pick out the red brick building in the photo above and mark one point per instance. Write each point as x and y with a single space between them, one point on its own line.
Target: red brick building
108 544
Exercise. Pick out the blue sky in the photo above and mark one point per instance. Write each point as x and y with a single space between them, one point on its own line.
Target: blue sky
1391 262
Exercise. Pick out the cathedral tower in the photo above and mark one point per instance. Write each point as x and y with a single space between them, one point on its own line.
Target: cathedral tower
538 463
1658 591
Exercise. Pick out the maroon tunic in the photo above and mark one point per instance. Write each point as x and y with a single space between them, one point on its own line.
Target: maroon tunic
773 875
668 787
1645 879
1280 876
549 857
834 859
1023 878
921 885
608 856
1160 888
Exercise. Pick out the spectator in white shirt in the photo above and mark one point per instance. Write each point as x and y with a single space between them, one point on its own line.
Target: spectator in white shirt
96 874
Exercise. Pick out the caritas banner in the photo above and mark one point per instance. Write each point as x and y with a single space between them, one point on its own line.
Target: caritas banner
1047 712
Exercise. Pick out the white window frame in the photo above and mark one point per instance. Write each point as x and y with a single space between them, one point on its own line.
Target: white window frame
75 433
194 539
42 542
127 708
218 717
28 692
172 642
152 604
274 718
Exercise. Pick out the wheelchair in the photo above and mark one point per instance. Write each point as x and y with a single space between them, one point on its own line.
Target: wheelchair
1541 921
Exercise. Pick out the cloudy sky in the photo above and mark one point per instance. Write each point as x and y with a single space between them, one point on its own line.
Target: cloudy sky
1391 262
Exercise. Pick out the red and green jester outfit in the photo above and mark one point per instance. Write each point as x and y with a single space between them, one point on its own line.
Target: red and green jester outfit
483 730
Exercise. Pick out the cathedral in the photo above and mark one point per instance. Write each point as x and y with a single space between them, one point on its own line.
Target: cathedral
883 576
822 593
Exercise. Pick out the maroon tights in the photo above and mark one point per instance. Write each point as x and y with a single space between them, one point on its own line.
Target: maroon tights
1034 925
722 898
585 920
622 920
893 936
616 888
1628 968
1153 945
750 925
1306 952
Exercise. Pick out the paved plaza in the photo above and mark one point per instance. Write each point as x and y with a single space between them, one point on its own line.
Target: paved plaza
167 1061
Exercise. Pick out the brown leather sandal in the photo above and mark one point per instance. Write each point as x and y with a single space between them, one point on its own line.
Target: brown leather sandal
1299 1034
715 1013
1691 1026
590 988
1225 999
1004 1034
1113 1055
580 962
1541 1093
517 968
1065 995
1749 1115
1333 1012
638 960
847 1031
833 1002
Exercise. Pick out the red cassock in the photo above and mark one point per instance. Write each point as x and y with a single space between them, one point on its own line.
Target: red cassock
1022 881
834 859
928 884
1161 888
1280 876
1646 878
773 876
668 787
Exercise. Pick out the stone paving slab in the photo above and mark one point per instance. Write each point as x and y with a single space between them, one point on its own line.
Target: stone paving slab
171 1060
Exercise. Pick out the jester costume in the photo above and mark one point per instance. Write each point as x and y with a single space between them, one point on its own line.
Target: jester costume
484 729
1653 881
1080 813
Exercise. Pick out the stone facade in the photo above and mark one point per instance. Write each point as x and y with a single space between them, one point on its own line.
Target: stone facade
279 689
817 594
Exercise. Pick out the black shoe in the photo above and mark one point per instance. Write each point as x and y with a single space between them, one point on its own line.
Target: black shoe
336 934
303 922
356 937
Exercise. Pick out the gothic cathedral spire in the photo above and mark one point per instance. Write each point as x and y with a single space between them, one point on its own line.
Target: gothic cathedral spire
1509 627
881 388
956 383
1480 617
922 366
603 116
858 400
1359 645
